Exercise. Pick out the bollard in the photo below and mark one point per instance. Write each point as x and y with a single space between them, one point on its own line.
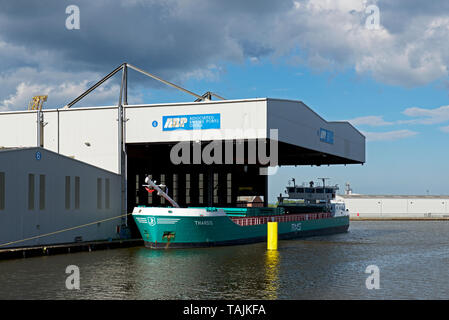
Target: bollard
272 235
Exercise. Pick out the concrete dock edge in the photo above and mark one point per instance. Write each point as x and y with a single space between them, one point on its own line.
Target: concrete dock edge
44 250
398 218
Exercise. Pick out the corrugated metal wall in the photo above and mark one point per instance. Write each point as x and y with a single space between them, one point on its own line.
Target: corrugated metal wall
39 195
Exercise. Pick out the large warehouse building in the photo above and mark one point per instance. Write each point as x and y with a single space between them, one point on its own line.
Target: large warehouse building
208 153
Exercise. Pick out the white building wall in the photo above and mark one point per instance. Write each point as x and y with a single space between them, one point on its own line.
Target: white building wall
240 119
18 222
67 131
18 129
51 133
90 134
396 207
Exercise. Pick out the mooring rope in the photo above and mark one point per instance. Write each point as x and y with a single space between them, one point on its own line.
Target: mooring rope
63 230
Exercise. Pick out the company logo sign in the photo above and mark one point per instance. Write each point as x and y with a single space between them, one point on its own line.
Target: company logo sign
191 122
326 136
152 221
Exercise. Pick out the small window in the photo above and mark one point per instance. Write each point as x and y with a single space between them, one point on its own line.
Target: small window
67 192
163 182
42 192
99 193
137 188
107 191
201 187
77 192
310 190
31 191
187 187
2 191
300 190
229 188
175 186
150 195
215 186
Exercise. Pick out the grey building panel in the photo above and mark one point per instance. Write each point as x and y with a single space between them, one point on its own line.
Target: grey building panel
300 126
36 206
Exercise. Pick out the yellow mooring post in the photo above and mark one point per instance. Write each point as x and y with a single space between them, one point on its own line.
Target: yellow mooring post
272 236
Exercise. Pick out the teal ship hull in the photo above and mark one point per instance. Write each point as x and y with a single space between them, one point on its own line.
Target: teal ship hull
205 227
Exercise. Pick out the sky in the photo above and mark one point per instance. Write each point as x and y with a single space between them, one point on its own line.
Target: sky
381 65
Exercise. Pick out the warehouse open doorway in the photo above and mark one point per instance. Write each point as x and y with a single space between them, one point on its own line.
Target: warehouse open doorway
190 185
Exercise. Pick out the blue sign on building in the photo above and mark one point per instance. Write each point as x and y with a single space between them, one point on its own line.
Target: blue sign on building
326 136
191 122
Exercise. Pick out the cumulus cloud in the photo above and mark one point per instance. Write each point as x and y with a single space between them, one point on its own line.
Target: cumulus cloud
57 93
427 116
422 116
389 135
61 87
182 39
374 121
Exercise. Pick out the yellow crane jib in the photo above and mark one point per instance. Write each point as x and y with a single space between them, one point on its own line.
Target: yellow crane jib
37 102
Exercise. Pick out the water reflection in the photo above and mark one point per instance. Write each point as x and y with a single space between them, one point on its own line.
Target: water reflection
272 264
412 257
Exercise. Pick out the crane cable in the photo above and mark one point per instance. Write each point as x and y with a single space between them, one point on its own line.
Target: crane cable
63 230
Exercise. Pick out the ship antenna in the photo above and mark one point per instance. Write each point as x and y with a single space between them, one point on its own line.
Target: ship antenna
324 181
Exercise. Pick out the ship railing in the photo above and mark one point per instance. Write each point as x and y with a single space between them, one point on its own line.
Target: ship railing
252 221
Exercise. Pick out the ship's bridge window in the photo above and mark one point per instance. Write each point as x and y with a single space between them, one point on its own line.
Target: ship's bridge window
291 189
319 190
329 190
300 190
310 190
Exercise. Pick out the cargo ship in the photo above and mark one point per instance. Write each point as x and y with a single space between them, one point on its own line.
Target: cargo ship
175 227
